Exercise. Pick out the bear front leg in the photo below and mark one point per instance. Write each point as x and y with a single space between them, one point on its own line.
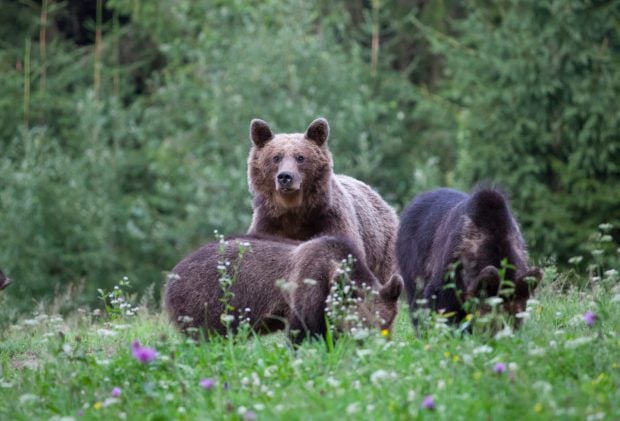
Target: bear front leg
308 311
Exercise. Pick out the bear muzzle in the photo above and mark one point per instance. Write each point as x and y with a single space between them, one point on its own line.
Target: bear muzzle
286 182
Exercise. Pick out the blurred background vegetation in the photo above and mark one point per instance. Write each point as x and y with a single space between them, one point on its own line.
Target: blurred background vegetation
124 123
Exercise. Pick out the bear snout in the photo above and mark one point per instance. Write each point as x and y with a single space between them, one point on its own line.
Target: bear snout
286 182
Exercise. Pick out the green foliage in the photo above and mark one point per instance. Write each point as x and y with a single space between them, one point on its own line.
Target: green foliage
121 156
538 85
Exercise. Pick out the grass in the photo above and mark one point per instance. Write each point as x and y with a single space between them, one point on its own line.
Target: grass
556 366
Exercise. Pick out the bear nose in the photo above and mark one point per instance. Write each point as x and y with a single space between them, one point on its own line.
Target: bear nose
285 179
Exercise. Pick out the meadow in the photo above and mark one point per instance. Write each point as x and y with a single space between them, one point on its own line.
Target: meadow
126 361
124 145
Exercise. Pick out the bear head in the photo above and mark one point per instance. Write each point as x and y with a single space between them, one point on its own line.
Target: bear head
379 308
289 170
489 238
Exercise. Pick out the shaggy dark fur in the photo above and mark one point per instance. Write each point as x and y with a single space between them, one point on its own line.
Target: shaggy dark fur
4 280
194 290
297 195
444 227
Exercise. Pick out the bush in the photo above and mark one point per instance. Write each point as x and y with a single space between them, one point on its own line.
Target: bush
538 85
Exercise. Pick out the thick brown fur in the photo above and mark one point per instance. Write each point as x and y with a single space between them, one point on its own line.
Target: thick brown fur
193 294
296 195
472 235
4 280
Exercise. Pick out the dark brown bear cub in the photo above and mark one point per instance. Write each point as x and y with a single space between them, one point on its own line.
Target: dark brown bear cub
296 195
4 280
272 285
446 230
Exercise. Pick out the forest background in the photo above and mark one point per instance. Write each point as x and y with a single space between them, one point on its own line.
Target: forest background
124 123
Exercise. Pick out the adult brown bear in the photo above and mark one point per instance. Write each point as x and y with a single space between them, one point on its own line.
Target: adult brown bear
238 278
446 230
296 195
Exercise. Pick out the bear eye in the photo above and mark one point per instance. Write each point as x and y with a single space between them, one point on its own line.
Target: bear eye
277 158
300 158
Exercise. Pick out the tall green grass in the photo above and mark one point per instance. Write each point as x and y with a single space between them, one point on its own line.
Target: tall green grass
556 366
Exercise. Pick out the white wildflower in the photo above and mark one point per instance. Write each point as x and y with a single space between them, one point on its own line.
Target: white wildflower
353 408
542 386
523 315
360 334
379 376
506 332
494 301
28 398
332 382
536 352
109 401
106 332
574 343
227 318
484 349
411 395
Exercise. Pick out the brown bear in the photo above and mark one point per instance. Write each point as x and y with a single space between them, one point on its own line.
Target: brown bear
275 284
296 195
446 230
4 280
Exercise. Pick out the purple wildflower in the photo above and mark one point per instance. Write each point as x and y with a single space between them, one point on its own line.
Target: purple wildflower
116 392
207 384
249 416
226 386
143 354
499 368
590 318
428 402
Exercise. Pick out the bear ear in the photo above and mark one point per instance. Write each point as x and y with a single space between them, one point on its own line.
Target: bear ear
318 131
260 133
488 277
533 277
392 289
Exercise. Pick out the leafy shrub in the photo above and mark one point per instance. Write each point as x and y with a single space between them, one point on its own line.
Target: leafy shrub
538 84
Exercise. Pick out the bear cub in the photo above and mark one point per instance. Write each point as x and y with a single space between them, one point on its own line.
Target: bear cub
296 195
275 285
446 230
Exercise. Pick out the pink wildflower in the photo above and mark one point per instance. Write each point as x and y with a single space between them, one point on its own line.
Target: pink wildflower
499 368
143 354
590 318
207 384
428 402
